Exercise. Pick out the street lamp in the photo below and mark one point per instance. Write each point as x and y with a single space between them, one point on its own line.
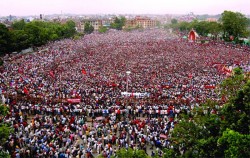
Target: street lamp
127 72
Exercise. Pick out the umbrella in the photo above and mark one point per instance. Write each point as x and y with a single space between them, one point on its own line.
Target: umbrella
163 136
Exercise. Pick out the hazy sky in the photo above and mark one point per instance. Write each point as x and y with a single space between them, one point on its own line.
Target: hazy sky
36 7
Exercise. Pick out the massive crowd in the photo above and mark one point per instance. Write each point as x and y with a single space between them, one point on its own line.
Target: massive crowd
54 92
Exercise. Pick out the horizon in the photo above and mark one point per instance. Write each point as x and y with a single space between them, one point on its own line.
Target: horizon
87 7
119 14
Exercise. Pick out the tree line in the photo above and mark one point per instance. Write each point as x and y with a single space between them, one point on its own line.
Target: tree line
231 26
22 35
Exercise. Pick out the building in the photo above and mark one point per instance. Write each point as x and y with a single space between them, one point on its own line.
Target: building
211 20
131 23
188 18
96 23
138 21
143 22
107 22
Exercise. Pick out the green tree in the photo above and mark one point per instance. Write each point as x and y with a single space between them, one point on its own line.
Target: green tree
56 31
4 39
118 23
125 153
230 86
234 24
236 111
184 26
202 133
203 28
200 27
4 154
47 34
34 32
103 29
19 40
5 129
140 154
174 21
169 153
88 28
128 153
215 29
19 25
235 144
3 111
196 133
69 29
248 22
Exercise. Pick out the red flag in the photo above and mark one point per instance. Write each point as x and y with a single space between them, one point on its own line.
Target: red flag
84 71
20 70
190 75
226 70
25 90
209 86
74 100
51 73
113 84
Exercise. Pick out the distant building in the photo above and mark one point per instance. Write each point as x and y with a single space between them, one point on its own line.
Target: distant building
211 19
143 22
96 23
187 18
131 23
107 22
138 21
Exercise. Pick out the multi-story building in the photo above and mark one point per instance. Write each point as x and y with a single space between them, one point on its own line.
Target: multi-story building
143 22
131 23
211 20
107 22
96 23
138 21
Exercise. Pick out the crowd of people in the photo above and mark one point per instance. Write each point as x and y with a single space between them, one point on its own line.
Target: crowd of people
66 98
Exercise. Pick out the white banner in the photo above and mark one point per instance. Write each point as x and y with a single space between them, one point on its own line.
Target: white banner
137 95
